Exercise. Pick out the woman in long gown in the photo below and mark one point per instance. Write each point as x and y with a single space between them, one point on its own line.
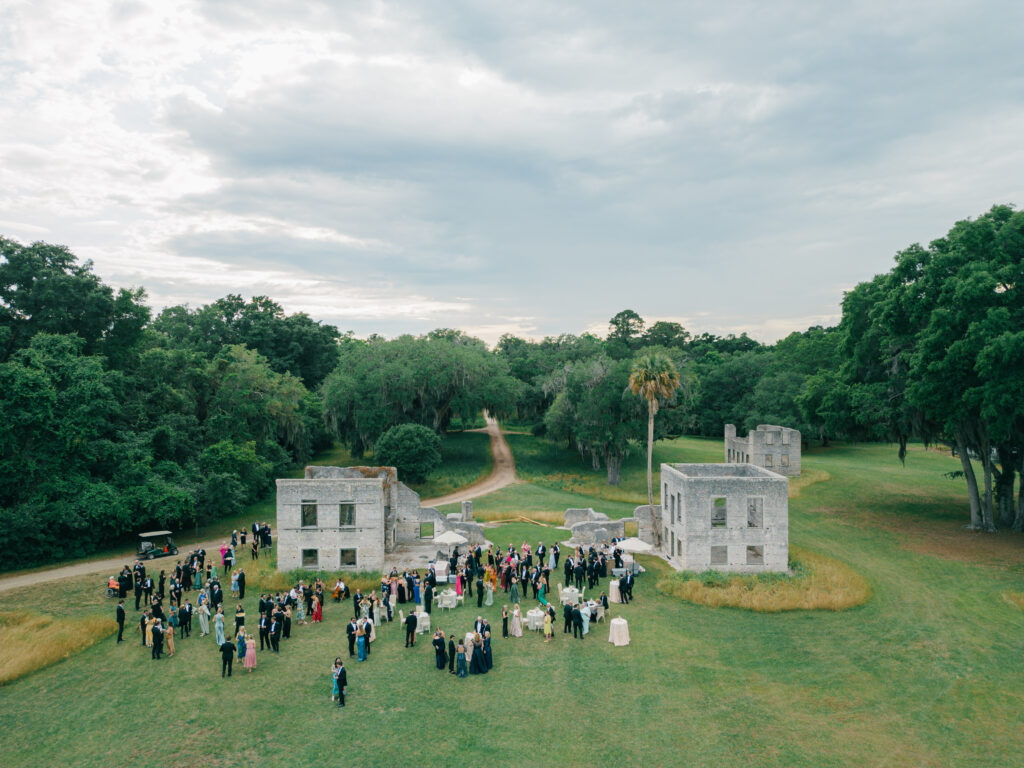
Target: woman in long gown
477 664
204 619
540 594
318 614
513 592
489 589
460 661
547 627
402 597
239 618
416 591
149 630
218 626
240 640
488 659
361 644
250 652
300 612
516 625
585 613
458 583
551 559
504 621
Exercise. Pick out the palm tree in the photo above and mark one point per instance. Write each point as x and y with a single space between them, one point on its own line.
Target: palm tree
653 376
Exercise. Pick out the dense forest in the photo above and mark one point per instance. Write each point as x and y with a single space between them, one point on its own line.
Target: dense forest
115 420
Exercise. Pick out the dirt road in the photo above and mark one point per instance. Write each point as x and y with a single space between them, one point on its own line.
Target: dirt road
504 473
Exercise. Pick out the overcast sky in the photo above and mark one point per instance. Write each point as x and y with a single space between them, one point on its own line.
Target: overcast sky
528 167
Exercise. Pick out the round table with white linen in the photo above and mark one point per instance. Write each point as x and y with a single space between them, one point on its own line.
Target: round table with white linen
618 631
613 591
570 595
535 619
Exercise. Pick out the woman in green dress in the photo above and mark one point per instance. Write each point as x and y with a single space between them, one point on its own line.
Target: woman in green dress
460 662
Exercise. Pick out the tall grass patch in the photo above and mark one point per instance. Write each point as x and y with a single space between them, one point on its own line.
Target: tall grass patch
815 583
30 641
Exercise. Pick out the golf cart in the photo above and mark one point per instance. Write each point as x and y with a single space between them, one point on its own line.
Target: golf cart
155 544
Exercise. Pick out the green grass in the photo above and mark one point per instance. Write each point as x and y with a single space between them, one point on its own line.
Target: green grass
926 673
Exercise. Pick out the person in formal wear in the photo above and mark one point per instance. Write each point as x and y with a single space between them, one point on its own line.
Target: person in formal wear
479 590
204 617
516 625
240 642
440 656
629 584
460 661
585 614
157 634
350 630
120 616
488 657
504 621
428 596
218 627
513 591
239 617
451 654
458 583
138 592
264 630
566 617
547 628
241 584
227 658
410 630
477 665
275 634
169 631
361 641
577 622
623 596
318 610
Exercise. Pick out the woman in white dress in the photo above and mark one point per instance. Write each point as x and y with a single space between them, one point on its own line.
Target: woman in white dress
515 627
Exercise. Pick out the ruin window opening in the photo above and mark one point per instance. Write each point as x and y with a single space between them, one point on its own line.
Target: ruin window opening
768 460
785 438
426 530
346 515
769 438
755 555
755 512
310 558
347 558
784 460
308 514
718 513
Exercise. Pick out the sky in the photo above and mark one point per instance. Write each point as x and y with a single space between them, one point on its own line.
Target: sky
529 168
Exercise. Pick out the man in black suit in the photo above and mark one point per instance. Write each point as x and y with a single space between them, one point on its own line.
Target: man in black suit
440 657
241 584
142 626
367 629
479 589
264 627
138 593
629 584
428 597
158 639
557 552
567 569
227 658
566 617
579 570
342 683
410 629
124 579
577 622
623 590
185 619
275 634
350 630
452 650
357 598
120 620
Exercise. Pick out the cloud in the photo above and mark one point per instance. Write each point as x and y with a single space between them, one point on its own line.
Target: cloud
738 165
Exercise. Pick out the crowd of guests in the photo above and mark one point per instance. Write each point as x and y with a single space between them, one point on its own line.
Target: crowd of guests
514 571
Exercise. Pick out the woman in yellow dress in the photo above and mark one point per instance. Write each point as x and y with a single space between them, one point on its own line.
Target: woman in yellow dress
150 621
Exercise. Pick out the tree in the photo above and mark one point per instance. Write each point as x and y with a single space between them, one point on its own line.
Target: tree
654 377
624 334
414 450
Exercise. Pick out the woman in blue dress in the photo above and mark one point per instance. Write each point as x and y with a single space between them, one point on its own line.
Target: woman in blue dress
460 661
416 590
488 660
241 643
218 627
361 644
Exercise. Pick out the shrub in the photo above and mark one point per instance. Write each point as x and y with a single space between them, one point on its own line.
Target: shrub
412 449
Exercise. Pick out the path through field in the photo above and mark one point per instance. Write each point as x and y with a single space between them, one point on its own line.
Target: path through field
504 472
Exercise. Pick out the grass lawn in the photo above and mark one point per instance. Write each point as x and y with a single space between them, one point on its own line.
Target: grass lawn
926 673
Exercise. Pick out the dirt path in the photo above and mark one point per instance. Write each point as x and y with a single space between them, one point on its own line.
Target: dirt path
504 473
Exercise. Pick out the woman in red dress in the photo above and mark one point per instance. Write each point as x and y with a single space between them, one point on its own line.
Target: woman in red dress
318 613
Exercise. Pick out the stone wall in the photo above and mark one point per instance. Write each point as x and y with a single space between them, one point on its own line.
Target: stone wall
596 531
648 524
770 446
577 515
727 517
327 537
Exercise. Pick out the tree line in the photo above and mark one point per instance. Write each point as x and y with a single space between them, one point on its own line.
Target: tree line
115 420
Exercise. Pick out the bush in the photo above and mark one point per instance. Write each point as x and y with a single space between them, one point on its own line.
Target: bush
412 449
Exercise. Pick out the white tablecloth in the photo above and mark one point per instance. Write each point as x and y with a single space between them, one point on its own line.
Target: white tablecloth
618 632
535 619
446 600
422 623
570 595
469 640
613 592
441 570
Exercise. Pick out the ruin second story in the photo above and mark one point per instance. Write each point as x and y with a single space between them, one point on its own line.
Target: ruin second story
769 446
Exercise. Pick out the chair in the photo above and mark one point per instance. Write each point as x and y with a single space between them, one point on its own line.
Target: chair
600 613
401 617
460 598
